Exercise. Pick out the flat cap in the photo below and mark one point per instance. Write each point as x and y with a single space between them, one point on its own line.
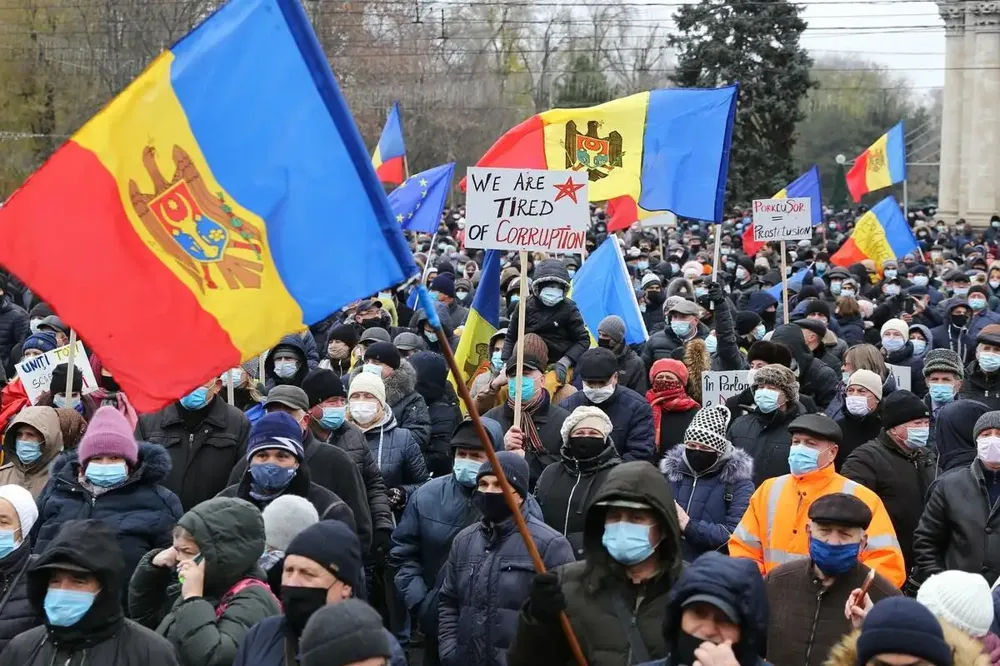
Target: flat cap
289 396
990 335
375 334
683 307
817 425
814 325
597 365
841 509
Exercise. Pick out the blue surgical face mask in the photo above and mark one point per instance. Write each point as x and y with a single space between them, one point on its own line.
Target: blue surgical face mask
919 346
106 475
333 417
961 291
642 265
465 471
700 292
64 608
833 560
711 344
271 477
916 436
759 332
989 361
372 369
766 400
977 304
890 273
845 376
431 336
8 544
28 452
892 344
680 328
802 459
835 288
514 298
572 272
59 400
627 543
941 393
527 387
286 369
496 361
550 295
195 400
820 267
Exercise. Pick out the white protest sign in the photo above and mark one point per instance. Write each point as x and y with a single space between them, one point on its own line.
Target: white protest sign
902 375
718 386
36 373
782 219
526 209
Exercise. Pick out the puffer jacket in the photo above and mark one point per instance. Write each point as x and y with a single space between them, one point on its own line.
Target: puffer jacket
966 651
765 437
407 405
905 357
816 379
141 512
548 421
631 421
665 344
595 587
852 329
230 535
631 370
16 614
714 501
350 438
398 455
952 430
33 477
487 580
14 328
564 490
442 407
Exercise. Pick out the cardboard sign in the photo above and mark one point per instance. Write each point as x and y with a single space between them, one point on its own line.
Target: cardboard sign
717 386
902 375
36 373
782 219
526 209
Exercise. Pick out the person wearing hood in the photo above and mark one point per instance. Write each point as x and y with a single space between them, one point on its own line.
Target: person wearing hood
564 489
631 371
554 317
322 567
205 591
628 411
982 379
765 306
953 427
75 587
485 386
809 595
746 283
205 437
18 515
861 419
113 479
399 377
429 334
962 600
711 481
849 320
652 292
764 432
683 326
814 332
488 574
340 342
442 406
982 316
953 334
56 397
286 363
616 598
760 354
773 530
922 340
442 289
816 379
30 442
898 350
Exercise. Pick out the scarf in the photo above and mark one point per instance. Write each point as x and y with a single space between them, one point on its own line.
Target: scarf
671 399
117 399
527 425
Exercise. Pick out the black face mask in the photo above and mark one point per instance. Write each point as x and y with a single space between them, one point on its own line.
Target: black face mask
493 506
300 603
684 649
605 343
768 317
373 322
654 297
699 460
584 448
109 383
959 321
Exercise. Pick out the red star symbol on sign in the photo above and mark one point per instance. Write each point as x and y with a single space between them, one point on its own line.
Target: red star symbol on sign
568 189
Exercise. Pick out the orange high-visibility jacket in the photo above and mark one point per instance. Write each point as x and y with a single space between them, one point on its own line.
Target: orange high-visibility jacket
773 529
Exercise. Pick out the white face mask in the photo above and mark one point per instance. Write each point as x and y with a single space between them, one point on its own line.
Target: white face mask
857 405
988 449
363 411
598 395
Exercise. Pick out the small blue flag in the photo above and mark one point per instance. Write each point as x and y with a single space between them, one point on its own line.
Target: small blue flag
418 202
602 287
797 277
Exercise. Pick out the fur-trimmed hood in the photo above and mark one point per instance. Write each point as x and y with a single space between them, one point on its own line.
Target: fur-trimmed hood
736 467
966 650
401 383
679 286
697 361
152 468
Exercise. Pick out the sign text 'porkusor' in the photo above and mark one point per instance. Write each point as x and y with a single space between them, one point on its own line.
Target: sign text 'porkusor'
782 219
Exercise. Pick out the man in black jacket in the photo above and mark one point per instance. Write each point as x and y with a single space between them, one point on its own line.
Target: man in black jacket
816 379
631 370
14 328
682 326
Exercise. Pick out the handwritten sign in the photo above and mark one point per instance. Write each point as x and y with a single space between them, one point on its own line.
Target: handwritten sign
718 386
36 373
782 219
526 209
902 375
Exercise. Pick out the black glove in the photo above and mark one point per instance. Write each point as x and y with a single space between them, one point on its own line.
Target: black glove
397 497
716 294
546 599
562 369
381 542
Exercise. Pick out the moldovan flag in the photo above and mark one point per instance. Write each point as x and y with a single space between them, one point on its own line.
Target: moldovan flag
880 234
602 287
806 185
883 164
473 352
389 159
188 225
665 149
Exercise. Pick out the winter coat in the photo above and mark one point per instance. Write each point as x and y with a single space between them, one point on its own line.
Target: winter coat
201 455
397 454
714 501
330 468
230 534
665 344
981 320
952 430
765 437
906 358
442 406
297 344
856 431
564 490
852 329
631 421
981 386
899 478
33 477
673 425
548 422
595 587
14 328
407 405
103 635
958 529
838 407
350 438
966 651
487 580
631 370
807 620
141 512
264 645
958 340
16 613
816 379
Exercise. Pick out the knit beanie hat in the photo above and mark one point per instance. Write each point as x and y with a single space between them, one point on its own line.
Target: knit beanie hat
346 333
23 503
384 352
900 625
586 417
818 306
648 279
514 467
613 326
109 434
58 382
900 407
277 430
334 546
285 517
987 420
960 598
444 283
897 325
869 380
43 341
746 322
321 384
673 366
369 383
708 427
535 346
943 360
344 633
780 377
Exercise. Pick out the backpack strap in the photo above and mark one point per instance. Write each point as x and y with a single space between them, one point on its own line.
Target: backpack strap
236 589
729 494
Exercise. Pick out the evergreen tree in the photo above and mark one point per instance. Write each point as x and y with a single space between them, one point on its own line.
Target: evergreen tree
583 85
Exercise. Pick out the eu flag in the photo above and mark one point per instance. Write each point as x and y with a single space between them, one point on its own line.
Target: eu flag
418 202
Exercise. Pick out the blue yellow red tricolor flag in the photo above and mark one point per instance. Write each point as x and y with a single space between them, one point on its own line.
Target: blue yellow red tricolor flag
183 229
881 165
880 234
805 186
418 202
473 352
389 159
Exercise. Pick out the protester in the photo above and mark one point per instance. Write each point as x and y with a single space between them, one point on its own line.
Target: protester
815 378
442 407
862 416
14 326
631 371
18 515
860 357
898 350
400 380
672 406
962 600
682 326
340 342
760 354
982 379
284 518
30 443
764 433
943 375
486 385
952 434
346 634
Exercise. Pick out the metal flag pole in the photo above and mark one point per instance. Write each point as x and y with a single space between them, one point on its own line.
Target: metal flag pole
70 365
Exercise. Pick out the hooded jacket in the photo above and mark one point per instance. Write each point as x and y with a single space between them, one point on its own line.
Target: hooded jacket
966 651
33 477
595 587
141 512
16 614
103 635
442 407
230 534
631 419
407 404
816 379
952 431
296 344
397 454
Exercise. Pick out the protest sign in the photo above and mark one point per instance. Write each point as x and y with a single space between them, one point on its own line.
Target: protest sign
526 209
782 219
718 386
902 375
36 373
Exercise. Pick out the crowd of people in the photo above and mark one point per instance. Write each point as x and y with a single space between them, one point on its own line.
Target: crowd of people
334 504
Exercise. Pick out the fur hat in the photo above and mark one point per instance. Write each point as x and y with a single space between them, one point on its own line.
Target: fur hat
587 417
708 427
780 377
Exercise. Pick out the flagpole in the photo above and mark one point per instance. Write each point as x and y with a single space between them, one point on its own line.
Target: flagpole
784 284
522 297
906 203
70 367
430 256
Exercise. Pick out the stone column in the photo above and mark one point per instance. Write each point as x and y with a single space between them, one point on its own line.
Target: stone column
984 167
950 174
967 73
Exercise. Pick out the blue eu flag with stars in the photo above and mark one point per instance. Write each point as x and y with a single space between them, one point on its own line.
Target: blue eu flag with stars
418 202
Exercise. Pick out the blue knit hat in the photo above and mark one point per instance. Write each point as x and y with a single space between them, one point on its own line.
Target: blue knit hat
514 467
900 625
276 430
42 341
